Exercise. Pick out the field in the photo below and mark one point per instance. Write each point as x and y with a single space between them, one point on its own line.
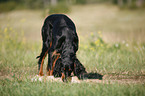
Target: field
111 44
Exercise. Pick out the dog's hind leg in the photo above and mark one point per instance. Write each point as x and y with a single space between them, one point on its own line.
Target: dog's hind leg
51 63
41 59
46 37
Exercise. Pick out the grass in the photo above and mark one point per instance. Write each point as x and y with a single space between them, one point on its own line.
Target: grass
27 88
106 47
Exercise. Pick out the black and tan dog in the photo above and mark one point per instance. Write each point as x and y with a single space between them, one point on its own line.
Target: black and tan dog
60 42
78 70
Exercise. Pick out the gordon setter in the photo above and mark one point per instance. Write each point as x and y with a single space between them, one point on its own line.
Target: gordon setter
78 70
60 42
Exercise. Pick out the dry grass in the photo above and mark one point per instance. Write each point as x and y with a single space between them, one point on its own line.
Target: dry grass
116 25
27 21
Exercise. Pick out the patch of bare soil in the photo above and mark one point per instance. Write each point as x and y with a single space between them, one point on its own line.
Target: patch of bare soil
109 79
96 78
89 78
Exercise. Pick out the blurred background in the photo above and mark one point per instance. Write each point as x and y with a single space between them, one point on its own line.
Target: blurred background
118 20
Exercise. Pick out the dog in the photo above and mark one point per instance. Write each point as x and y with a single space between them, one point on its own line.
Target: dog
60 42
79 69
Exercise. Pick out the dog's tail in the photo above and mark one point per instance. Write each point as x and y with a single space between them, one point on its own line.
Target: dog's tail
37 57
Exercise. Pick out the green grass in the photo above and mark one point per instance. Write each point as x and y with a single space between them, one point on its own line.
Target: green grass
121 61
27 88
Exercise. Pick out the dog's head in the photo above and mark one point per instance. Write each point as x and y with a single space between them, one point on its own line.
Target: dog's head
67 69
64 68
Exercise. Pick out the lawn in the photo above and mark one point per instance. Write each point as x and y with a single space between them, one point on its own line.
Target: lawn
111 44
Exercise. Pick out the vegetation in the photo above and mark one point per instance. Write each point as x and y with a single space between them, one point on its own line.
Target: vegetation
24 88
121 62
60 8
63 6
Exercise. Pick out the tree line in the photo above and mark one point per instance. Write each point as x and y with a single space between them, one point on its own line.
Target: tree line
43 3
7 5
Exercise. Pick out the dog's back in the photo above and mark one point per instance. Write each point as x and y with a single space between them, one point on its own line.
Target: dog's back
59 20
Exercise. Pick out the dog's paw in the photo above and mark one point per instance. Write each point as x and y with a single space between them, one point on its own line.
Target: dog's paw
37 78
75 80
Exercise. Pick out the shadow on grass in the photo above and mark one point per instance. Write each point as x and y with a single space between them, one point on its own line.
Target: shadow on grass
93 76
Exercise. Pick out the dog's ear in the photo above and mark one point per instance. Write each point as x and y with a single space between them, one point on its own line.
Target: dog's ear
37 57
79 69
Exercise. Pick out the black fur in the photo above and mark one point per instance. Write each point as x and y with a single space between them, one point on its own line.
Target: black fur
79 69
61 31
